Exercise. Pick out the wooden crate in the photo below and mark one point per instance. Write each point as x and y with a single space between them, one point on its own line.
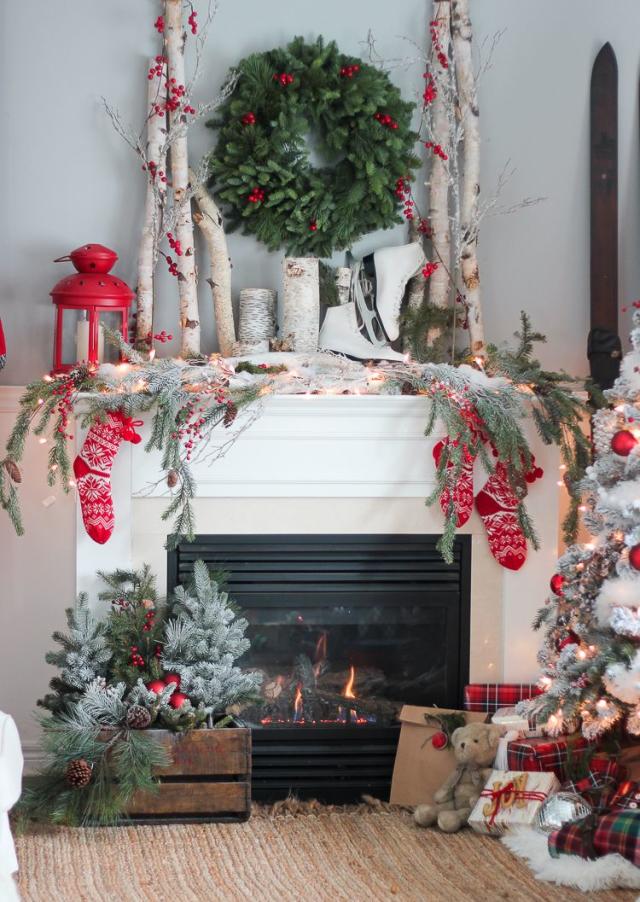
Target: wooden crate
209 779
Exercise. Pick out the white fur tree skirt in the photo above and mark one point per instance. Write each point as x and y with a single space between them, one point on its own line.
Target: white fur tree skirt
608 872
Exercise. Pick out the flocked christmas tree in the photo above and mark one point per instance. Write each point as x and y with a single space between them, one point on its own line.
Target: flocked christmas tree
591 654
203 640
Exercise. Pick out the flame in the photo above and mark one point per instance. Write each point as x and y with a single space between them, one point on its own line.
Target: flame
320 655
297 704
348 692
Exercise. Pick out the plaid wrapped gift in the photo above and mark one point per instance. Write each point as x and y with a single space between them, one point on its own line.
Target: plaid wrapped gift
574 838
627 796
544 754
491 696
600 784
591 837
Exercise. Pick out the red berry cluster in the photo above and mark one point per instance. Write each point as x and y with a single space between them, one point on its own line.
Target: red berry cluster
283 78
150 618
635 305
193 25
176 93
159 336
157 69
174 244
437 150
159 24
172 265
349 71
158 651
120 603
191 422
154 171
385 119
313 226
430 91
256 196
249 119
136 658
424 227
403 193
434 26
429 270
65 405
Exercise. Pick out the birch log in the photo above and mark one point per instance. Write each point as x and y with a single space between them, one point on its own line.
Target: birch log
439 180
467 97
210 222
154 205
187 285
257 319
417 283
301 302
343 284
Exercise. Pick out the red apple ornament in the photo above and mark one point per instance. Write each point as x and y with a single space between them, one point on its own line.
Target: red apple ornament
557 582
439 740
178 699
156 686
623 442
173 678
634 557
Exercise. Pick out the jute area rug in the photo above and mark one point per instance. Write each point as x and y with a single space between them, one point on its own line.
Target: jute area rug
332 856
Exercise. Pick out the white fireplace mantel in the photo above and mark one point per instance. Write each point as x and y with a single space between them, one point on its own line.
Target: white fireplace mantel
331 464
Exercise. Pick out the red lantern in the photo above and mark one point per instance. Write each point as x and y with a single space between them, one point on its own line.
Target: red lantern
91 290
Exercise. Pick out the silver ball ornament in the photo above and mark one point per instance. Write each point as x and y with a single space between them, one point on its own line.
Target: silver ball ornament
560 809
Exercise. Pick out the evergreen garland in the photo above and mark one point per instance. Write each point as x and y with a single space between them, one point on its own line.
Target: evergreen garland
260 169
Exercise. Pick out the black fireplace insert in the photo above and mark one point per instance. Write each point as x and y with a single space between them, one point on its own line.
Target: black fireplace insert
345 629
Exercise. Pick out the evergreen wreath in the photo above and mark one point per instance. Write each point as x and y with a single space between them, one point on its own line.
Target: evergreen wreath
261 171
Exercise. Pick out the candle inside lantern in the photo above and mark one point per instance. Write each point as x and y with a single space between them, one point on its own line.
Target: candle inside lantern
82 340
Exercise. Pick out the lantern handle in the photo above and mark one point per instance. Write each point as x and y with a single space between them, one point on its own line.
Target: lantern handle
62 259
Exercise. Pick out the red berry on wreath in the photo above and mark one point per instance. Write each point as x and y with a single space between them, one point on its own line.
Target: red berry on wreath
634 557
156 686
557 582
172 678
440 740
623 443
178 699
313 226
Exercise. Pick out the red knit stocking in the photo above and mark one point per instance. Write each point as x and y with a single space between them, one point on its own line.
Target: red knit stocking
497 505
92 468
462 490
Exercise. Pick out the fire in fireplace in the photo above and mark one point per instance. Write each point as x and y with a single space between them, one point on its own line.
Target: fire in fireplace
345 630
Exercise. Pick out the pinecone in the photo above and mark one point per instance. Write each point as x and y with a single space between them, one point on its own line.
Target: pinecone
13 470
172 478
78 773
230 414
138 718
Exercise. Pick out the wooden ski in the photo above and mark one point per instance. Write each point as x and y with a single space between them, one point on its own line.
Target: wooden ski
604 348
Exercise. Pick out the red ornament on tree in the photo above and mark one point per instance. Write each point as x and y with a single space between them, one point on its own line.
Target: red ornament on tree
623 443
557 582
440 740
178 699
569 639
634 557
156 686
173 678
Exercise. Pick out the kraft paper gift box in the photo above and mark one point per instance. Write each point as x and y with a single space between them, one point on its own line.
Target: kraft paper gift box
511 798
420 769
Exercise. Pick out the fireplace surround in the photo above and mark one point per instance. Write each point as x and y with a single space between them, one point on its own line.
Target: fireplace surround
344 629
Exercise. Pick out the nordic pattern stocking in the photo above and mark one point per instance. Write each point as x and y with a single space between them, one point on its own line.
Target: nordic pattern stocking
92 469
462 490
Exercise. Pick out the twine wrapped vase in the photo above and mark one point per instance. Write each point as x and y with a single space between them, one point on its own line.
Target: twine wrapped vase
301 302
257 321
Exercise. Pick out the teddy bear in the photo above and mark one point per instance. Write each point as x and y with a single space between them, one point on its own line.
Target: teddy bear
474 746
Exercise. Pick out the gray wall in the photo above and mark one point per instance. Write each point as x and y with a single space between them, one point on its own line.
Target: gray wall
67 178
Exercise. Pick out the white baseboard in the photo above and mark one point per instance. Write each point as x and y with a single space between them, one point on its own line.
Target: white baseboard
34 758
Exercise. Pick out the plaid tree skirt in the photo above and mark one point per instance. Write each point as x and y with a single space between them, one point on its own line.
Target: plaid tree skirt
491 696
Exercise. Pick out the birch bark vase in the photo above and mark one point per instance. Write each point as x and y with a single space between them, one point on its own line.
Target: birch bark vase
257 322
301 302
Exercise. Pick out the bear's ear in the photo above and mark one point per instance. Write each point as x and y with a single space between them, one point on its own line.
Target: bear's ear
455 735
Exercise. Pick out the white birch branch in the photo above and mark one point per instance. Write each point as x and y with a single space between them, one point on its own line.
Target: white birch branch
469 115
154 205
209 220
187 285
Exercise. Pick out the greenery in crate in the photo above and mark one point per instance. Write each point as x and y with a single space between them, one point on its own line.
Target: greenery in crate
124 673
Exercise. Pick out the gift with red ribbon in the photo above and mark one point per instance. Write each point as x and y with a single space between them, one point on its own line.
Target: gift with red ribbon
558 755
509 799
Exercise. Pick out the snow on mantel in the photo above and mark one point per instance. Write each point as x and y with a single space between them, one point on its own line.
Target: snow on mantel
331 464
